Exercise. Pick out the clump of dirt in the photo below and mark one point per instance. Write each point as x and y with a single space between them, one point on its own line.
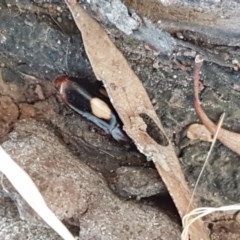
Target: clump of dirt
9 113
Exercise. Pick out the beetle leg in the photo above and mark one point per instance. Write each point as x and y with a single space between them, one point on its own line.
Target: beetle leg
100 123
115 129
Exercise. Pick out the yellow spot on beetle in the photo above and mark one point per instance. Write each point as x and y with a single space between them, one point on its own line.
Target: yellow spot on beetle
100 109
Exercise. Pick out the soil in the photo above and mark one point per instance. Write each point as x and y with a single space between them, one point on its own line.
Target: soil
39 42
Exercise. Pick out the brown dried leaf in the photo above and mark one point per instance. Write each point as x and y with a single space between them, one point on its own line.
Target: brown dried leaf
198 131
131 101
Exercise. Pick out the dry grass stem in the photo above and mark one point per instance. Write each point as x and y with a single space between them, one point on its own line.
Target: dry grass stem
29 191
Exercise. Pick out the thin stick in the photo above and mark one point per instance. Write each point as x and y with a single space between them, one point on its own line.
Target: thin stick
197 66
207 157
228 138
185 222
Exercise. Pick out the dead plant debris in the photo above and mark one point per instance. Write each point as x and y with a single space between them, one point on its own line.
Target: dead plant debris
130 101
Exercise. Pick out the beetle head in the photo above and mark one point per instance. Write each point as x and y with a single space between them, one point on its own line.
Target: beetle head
59 81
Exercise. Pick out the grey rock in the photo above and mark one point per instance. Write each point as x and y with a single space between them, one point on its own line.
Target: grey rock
154 36
78 195
138 182
38 49
116 13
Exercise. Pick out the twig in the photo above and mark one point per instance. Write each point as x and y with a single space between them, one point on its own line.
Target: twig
208 155
199 213
228 138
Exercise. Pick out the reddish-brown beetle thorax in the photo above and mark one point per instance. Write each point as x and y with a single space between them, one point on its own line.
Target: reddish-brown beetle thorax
59 81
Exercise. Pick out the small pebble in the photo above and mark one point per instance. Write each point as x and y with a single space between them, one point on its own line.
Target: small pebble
189 54
154 101
156 64
179 35
235 61
30 24
59 9
59 19
2 38
225 56
236 68
236 87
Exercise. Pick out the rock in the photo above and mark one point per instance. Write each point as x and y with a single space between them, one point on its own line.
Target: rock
41 50
116 13
8 115
12 227
78 195
138 182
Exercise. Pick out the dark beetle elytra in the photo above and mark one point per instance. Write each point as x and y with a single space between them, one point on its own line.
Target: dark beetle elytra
86 99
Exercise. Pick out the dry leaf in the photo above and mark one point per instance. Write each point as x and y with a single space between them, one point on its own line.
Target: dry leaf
132 103
199 132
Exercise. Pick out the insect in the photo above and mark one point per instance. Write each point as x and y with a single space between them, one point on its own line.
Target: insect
85 98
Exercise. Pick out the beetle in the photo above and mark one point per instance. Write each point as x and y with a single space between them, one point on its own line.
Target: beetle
86 99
